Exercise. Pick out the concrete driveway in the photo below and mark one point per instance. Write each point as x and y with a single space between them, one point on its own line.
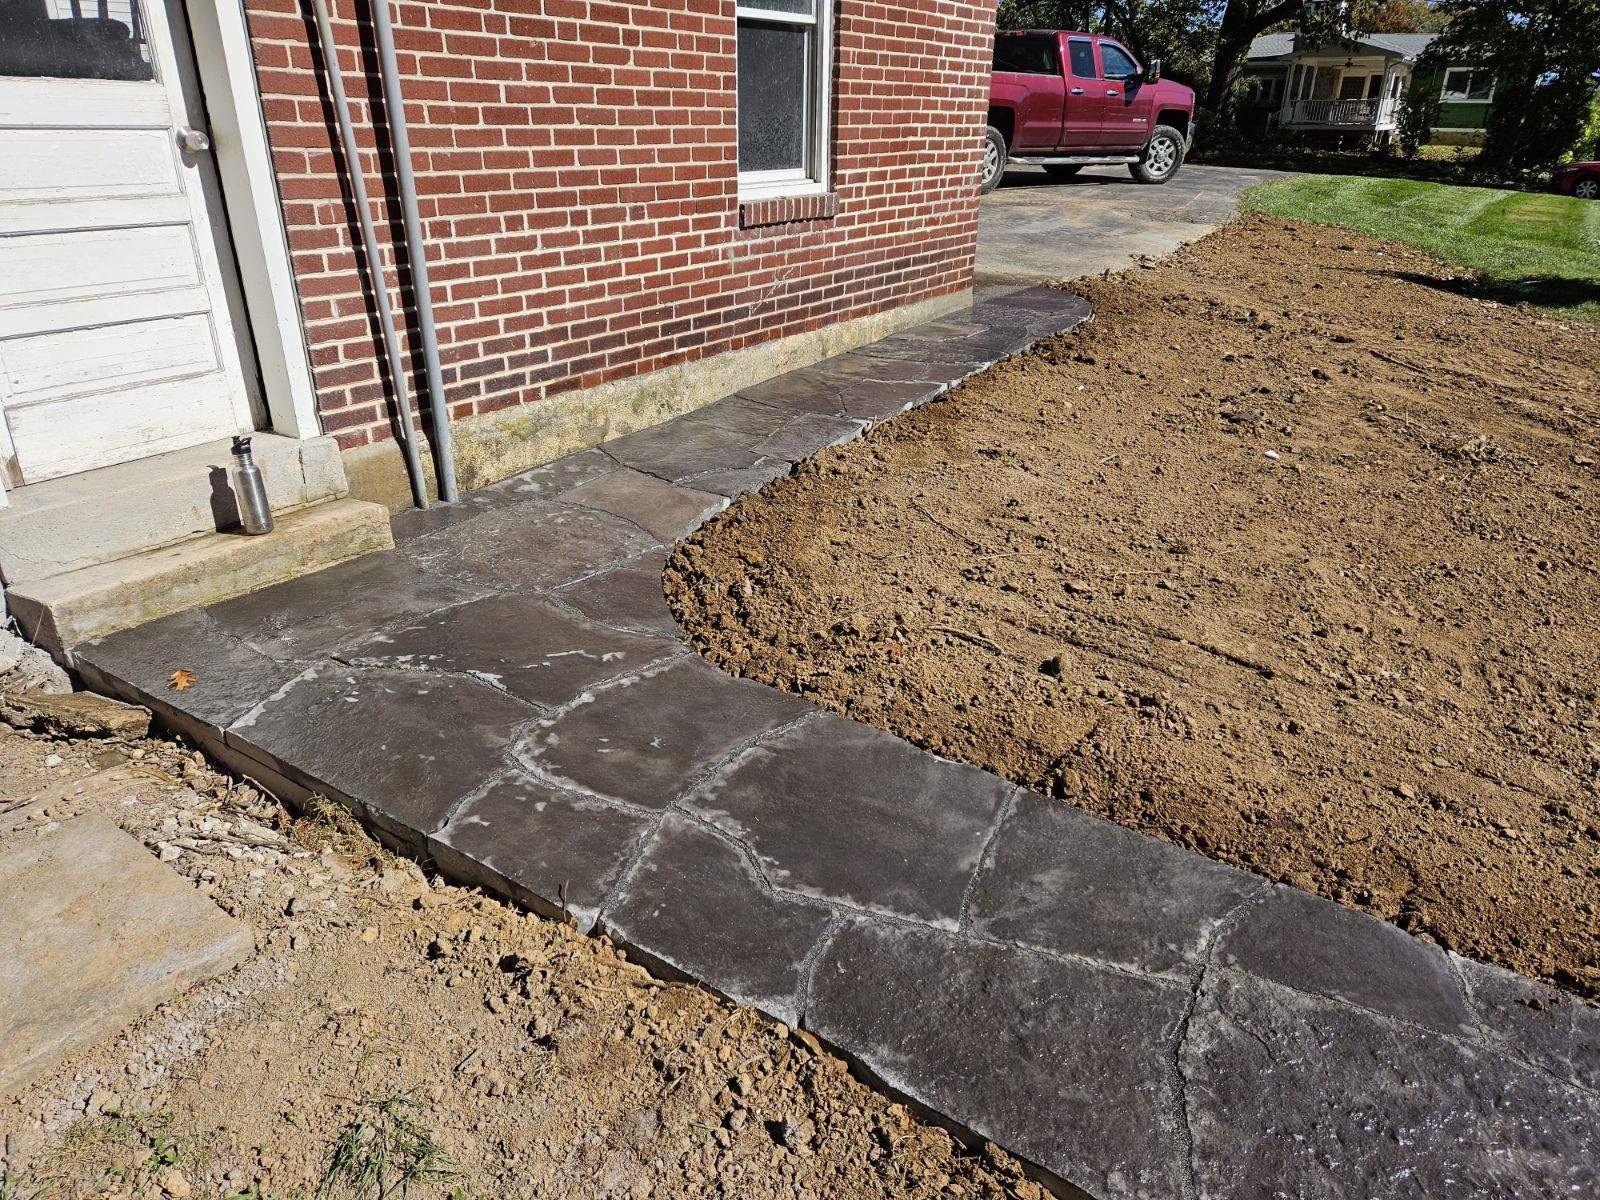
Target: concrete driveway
1034 228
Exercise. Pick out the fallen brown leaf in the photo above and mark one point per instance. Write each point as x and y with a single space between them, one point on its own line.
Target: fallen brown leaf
180 679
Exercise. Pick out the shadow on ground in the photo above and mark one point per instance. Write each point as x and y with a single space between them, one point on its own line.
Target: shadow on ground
1541 291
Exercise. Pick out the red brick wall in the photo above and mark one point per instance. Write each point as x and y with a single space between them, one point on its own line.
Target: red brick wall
576 163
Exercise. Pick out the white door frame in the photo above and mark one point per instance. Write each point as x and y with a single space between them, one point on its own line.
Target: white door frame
243 155
255 213
255 216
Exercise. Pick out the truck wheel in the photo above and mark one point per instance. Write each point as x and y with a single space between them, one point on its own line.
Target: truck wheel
1163 155
994 160
1062 170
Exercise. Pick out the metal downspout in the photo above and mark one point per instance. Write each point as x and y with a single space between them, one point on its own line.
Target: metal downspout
369 239
395 107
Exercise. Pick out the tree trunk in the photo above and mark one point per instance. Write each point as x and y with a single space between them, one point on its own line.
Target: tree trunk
1242 21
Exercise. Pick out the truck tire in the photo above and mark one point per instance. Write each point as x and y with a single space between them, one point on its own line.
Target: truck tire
995 155
1161 157
1062 170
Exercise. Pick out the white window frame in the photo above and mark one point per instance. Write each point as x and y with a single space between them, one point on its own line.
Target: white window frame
814 177
1446 96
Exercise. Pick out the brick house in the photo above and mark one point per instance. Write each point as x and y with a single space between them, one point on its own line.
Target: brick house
628 209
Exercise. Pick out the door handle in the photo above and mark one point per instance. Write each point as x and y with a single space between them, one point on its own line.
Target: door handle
1112 92
1077 91
193 140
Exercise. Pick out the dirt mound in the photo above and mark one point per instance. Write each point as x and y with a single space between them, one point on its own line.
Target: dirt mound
1289 557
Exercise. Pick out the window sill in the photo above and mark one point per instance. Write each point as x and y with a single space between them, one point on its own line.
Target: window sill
756 212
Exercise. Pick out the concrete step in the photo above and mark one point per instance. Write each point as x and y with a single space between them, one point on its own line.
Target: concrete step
99 516
97 933
91 602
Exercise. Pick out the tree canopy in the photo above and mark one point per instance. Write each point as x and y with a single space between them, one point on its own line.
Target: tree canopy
1544 55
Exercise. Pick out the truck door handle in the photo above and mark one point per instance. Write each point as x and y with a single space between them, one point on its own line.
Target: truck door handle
1077 91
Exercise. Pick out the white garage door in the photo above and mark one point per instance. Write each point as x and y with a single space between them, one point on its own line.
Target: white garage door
115 340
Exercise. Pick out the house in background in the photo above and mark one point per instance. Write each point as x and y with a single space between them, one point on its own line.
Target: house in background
628 208
1351 91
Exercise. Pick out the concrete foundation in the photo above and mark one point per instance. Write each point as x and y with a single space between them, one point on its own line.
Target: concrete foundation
495 446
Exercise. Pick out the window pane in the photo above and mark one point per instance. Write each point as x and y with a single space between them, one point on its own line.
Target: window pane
773 90
1026 55
1482 84
1081 53
74 39
1117 64
806 8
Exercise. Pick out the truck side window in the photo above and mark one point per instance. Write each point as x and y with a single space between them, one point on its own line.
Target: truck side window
1116 61
1028 54
1081 52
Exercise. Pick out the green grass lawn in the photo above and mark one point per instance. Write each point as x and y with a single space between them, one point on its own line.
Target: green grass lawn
1539 247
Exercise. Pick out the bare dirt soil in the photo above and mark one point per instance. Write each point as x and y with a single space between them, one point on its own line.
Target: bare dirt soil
1289 557
393 1037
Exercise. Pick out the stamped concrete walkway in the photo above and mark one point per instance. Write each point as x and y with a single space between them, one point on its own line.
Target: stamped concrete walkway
507 692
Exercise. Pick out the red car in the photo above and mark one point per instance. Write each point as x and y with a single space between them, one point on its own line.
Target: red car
1065 100
1580 179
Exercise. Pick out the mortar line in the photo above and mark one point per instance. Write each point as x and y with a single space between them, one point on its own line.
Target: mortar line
483 679
537 772
558 601
644 670
1180 1120
494 780
608 569
761 459
809 966
750 743
248 718
1407 1026
1494 1045
1002 815
604 448
630 868
657 540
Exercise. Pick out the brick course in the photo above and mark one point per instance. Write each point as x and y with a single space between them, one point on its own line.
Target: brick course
576 165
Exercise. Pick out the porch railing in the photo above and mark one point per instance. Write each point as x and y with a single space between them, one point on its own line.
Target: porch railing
1372 113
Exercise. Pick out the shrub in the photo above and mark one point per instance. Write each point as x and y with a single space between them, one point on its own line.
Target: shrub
1588 144
1419 113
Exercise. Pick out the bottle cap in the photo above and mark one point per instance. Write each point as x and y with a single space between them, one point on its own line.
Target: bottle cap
241 444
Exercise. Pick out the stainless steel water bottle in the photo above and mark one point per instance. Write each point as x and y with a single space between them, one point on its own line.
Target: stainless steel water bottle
255 513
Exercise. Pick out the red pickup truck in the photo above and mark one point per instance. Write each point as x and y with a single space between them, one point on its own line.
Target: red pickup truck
1067 100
